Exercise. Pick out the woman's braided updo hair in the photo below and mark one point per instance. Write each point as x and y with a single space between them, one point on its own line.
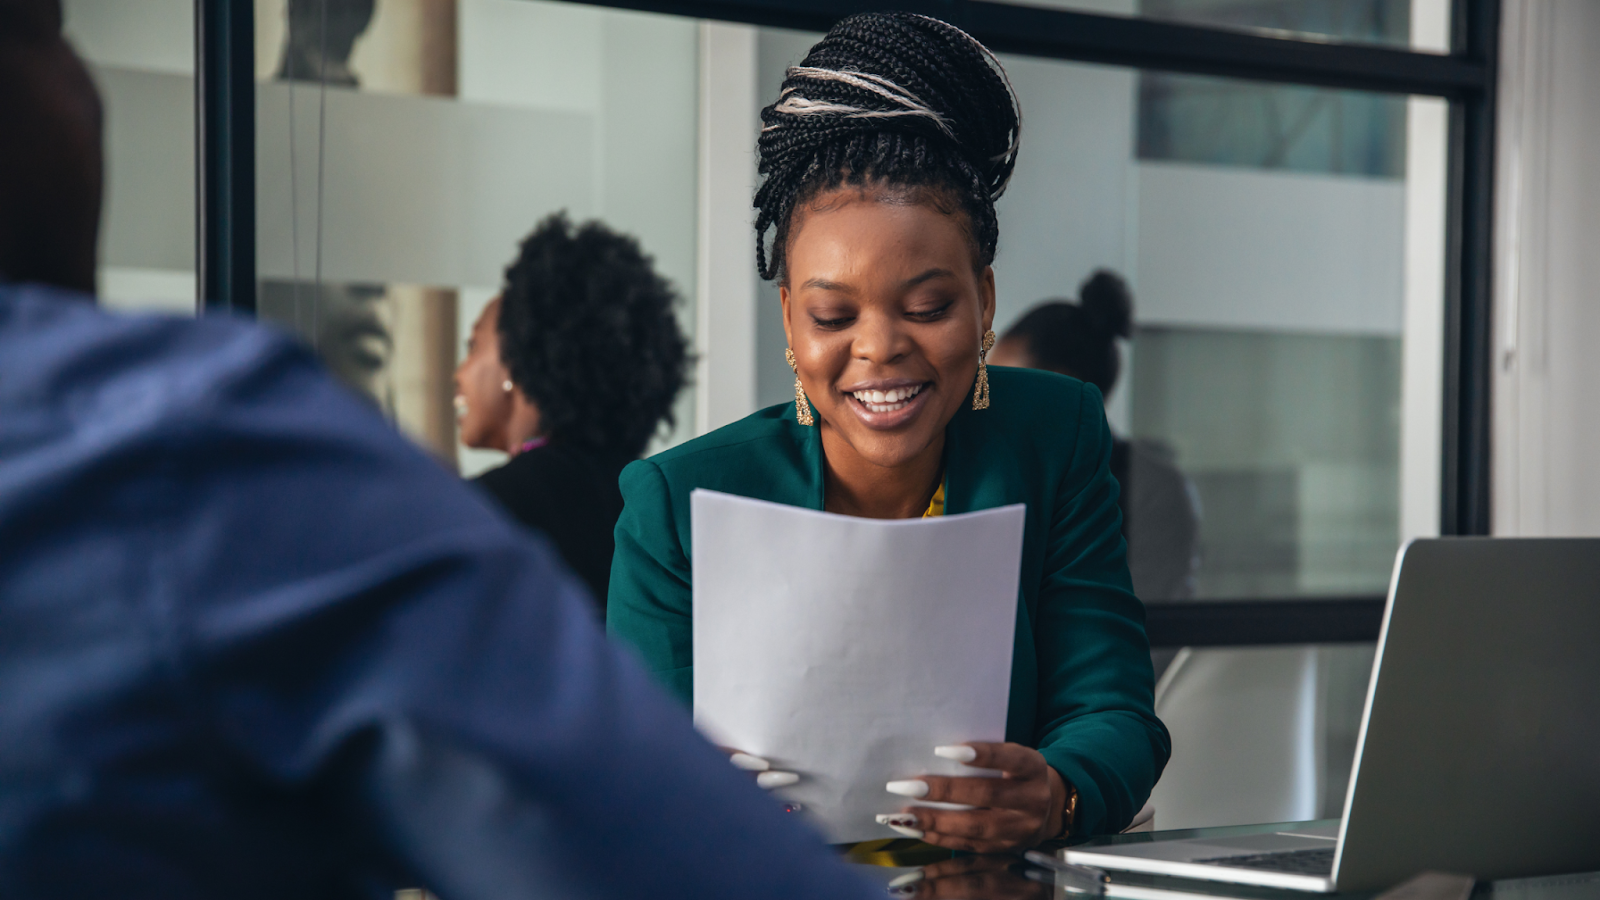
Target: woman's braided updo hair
895 99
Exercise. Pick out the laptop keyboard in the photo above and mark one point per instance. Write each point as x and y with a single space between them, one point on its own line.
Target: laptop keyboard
1317 861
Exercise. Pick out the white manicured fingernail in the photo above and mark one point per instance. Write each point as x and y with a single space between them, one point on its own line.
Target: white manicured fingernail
770 780
905 820
961 753
914 788
907 878
749 763
908 832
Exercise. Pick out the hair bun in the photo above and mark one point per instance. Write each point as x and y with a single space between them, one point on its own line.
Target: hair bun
897 72
1108 302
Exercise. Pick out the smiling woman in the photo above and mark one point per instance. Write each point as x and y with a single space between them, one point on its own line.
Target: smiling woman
885 334
883 156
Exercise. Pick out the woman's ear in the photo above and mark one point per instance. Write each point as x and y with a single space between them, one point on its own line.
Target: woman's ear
783 298
985 298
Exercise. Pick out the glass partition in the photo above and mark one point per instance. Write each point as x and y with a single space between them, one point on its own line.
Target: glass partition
405 147
1283 246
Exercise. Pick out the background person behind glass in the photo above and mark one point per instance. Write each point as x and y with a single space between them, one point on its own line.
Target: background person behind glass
571 370
1160 509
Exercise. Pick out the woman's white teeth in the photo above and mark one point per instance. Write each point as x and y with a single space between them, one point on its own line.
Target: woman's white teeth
887 401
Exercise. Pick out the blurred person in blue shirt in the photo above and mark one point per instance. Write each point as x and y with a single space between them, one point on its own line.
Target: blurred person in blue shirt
253 644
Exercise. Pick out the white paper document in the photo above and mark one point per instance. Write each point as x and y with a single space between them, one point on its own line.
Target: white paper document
846 649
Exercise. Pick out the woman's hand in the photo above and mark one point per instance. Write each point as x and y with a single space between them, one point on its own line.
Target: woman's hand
766 777
1021 809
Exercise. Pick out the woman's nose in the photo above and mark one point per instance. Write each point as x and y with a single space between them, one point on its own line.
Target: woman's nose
880 339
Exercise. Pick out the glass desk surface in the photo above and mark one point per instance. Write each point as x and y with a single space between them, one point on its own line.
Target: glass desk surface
916 871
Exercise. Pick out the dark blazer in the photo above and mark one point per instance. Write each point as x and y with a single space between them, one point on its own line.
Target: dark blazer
570 496
1081 683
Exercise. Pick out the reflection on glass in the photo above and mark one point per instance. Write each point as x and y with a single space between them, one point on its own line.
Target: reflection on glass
393 342
911 869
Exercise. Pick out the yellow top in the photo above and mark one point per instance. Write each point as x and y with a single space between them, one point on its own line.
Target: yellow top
936 505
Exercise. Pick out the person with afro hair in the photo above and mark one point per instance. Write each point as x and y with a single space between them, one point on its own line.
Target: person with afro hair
571 370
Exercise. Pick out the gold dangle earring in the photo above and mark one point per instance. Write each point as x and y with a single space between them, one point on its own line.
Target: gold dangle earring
980 391
802 406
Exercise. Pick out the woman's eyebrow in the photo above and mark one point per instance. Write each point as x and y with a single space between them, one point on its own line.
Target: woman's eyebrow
926 276
823 284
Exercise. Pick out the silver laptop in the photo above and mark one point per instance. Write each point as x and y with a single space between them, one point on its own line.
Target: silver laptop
1479 750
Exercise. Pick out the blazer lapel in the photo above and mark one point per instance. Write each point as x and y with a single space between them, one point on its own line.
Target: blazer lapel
978 473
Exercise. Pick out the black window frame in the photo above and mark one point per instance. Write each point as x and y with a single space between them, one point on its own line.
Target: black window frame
1466 77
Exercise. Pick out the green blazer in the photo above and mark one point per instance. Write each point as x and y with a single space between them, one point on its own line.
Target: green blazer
1081 683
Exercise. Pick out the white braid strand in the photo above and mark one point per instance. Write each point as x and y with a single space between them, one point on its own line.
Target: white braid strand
875 84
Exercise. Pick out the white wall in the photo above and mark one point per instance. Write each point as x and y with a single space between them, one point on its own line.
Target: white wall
1546 400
